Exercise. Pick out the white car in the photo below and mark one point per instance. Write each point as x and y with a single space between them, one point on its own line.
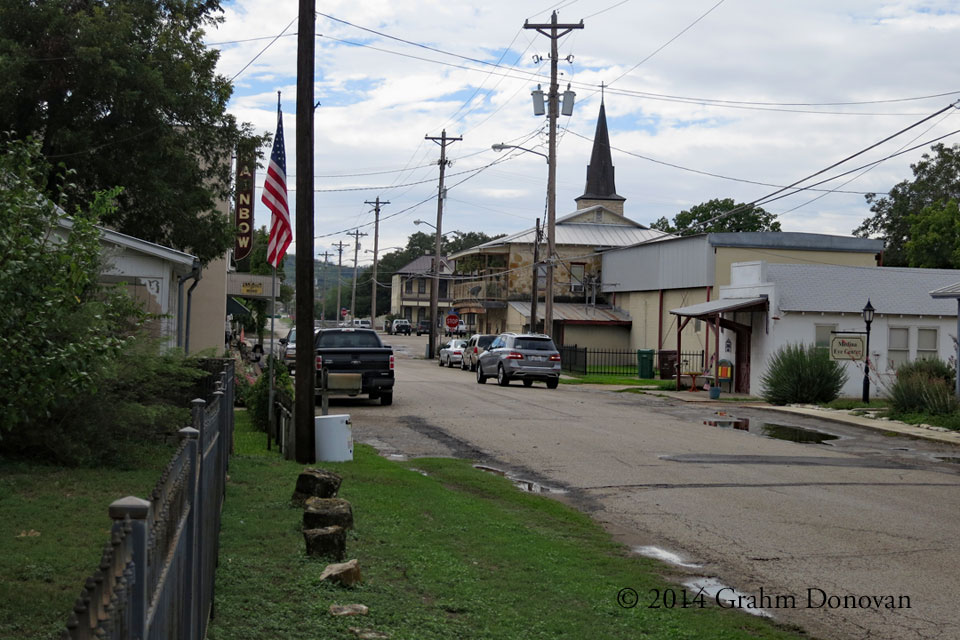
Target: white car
452 352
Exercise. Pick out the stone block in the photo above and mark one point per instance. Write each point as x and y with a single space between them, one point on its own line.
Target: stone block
326 512
330 542
316 483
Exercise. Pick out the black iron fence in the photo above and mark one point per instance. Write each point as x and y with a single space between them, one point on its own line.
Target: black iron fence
156 575
624 362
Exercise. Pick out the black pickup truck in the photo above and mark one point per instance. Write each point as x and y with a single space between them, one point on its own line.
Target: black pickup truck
356 362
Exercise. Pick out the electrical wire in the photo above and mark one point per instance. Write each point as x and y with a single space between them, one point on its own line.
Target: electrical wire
270 44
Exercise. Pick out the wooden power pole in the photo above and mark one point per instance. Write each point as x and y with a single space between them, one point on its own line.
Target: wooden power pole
443 141
376 242
305 404
356 250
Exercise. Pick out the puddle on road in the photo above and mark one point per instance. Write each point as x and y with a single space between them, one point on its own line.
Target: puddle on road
529 486
667 556
769 430
716 591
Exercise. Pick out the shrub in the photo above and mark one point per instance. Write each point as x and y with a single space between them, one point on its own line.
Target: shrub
924 386
257 396
141 397
802 374
930 368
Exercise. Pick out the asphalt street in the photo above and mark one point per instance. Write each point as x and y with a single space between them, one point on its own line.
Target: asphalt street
851 538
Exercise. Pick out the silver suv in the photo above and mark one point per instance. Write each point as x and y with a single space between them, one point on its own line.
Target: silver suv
528 357
476 345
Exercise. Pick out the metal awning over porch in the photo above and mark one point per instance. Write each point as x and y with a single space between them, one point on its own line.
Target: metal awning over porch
723 305
572 313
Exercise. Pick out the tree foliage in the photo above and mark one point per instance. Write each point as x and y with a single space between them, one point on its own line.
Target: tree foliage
59 330
700 219
935 237
126 93
936 181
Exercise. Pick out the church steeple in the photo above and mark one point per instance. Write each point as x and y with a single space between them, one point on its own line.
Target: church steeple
600 187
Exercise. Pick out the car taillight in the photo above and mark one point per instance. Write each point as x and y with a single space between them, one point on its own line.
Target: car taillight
555 357
514 355
475 352
391 363
319 363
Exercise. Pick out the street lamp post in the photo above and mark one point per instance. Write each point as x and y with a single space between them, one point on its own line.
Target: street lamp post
868 312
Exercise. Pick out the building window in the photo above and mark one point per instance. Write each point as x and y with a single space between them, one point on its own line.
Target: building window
576 277
421 285
898 347
442 292
408 285
696 325
926 343
421 314
541 277
822 335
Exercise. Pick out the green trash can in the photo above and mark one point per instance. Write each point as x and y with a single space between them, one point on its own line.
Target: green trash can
645 363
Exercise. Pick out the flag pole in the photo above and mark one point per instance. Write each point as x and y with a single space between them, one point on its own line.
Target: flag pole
273 337
271 357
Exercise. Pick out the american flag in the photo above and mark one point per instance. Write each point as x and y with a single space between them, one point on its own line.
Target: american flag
275 197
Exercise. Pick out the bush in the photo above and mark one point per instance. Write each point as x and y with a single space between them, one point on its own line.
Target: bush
142 397
257 397
802 374
924 386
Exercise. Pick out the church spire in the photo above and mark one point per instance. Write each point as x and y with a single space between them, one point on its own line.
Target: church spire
600 187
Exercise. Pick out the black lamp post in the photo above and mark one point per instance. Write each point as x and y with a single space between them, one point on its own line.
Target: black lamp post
867 319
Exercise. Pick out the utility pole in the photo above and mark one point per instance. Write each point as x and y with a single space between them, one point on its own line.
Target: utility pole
356 249
323 289
304 405
339 246
443 141
376 240
553 31
536 277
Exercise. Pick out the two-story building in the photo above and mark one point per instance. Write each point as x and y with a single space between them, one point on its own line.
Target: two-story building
494 280
410 289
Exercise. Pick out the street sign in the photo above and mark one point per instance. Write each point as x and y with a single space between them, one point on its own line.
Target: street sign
453 321
343 312
846 348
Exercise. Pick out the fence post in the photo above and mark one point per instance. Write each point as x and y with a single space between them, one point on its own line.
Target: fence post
195 437
135 512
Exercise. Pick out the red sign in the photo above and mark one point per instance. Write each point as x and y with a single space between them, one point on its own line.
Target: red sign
343 312
453 321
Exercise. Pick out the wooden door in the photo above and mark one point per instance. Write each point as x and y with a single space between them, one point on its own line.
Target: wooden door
742 365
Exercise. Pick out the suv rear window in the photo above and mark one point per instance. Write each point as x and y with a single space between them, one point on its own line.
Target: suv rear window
535 344
484 341
339 339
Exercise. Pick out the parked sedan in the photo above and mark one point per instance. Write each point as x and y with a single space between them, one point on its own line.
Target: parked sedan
527 357
452 352
476 345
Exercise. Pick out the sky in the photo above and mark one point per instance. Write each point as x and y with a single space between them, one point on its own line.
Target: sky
704 99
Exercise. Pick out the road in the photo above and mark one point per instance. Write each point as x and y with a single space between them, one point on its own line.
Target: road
866 515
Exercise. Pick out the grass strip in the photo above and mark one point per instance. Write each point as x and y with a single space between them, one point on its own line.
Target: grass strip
53 528
595 378
446 551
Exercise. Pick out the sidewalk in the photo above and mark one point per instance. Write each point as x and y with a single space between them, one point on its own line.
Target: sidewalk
925 432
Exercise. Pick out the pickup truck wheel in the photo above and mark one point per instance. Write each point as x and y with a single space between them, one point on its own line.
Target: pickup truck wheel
481 379
502 379
386 399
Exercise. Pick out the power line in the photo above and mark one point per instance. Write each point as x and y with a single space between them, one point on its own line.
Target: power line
270 44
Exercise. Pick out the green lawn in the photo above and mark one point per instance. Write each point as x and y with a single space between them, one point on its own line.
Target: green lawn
595 378
446 552
53 528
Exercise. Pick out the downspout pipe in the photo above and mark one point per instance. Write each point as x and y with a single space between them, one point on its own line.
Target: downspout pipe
183 333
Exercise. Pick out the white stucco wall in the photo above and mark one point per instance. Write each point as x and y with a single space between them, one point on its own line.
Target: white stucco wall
801 328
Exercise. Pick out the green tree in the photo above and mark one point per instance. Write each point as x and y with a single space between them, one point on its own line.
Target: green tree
935 237
936 181
59 329
700 219
126 93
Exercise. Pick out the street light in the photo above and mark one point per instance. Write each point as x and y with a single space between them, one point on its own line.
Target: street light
503 147
868 312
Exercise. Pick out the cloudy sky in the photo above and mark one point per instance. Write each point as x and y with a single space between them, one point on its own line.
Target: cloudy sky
759 94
